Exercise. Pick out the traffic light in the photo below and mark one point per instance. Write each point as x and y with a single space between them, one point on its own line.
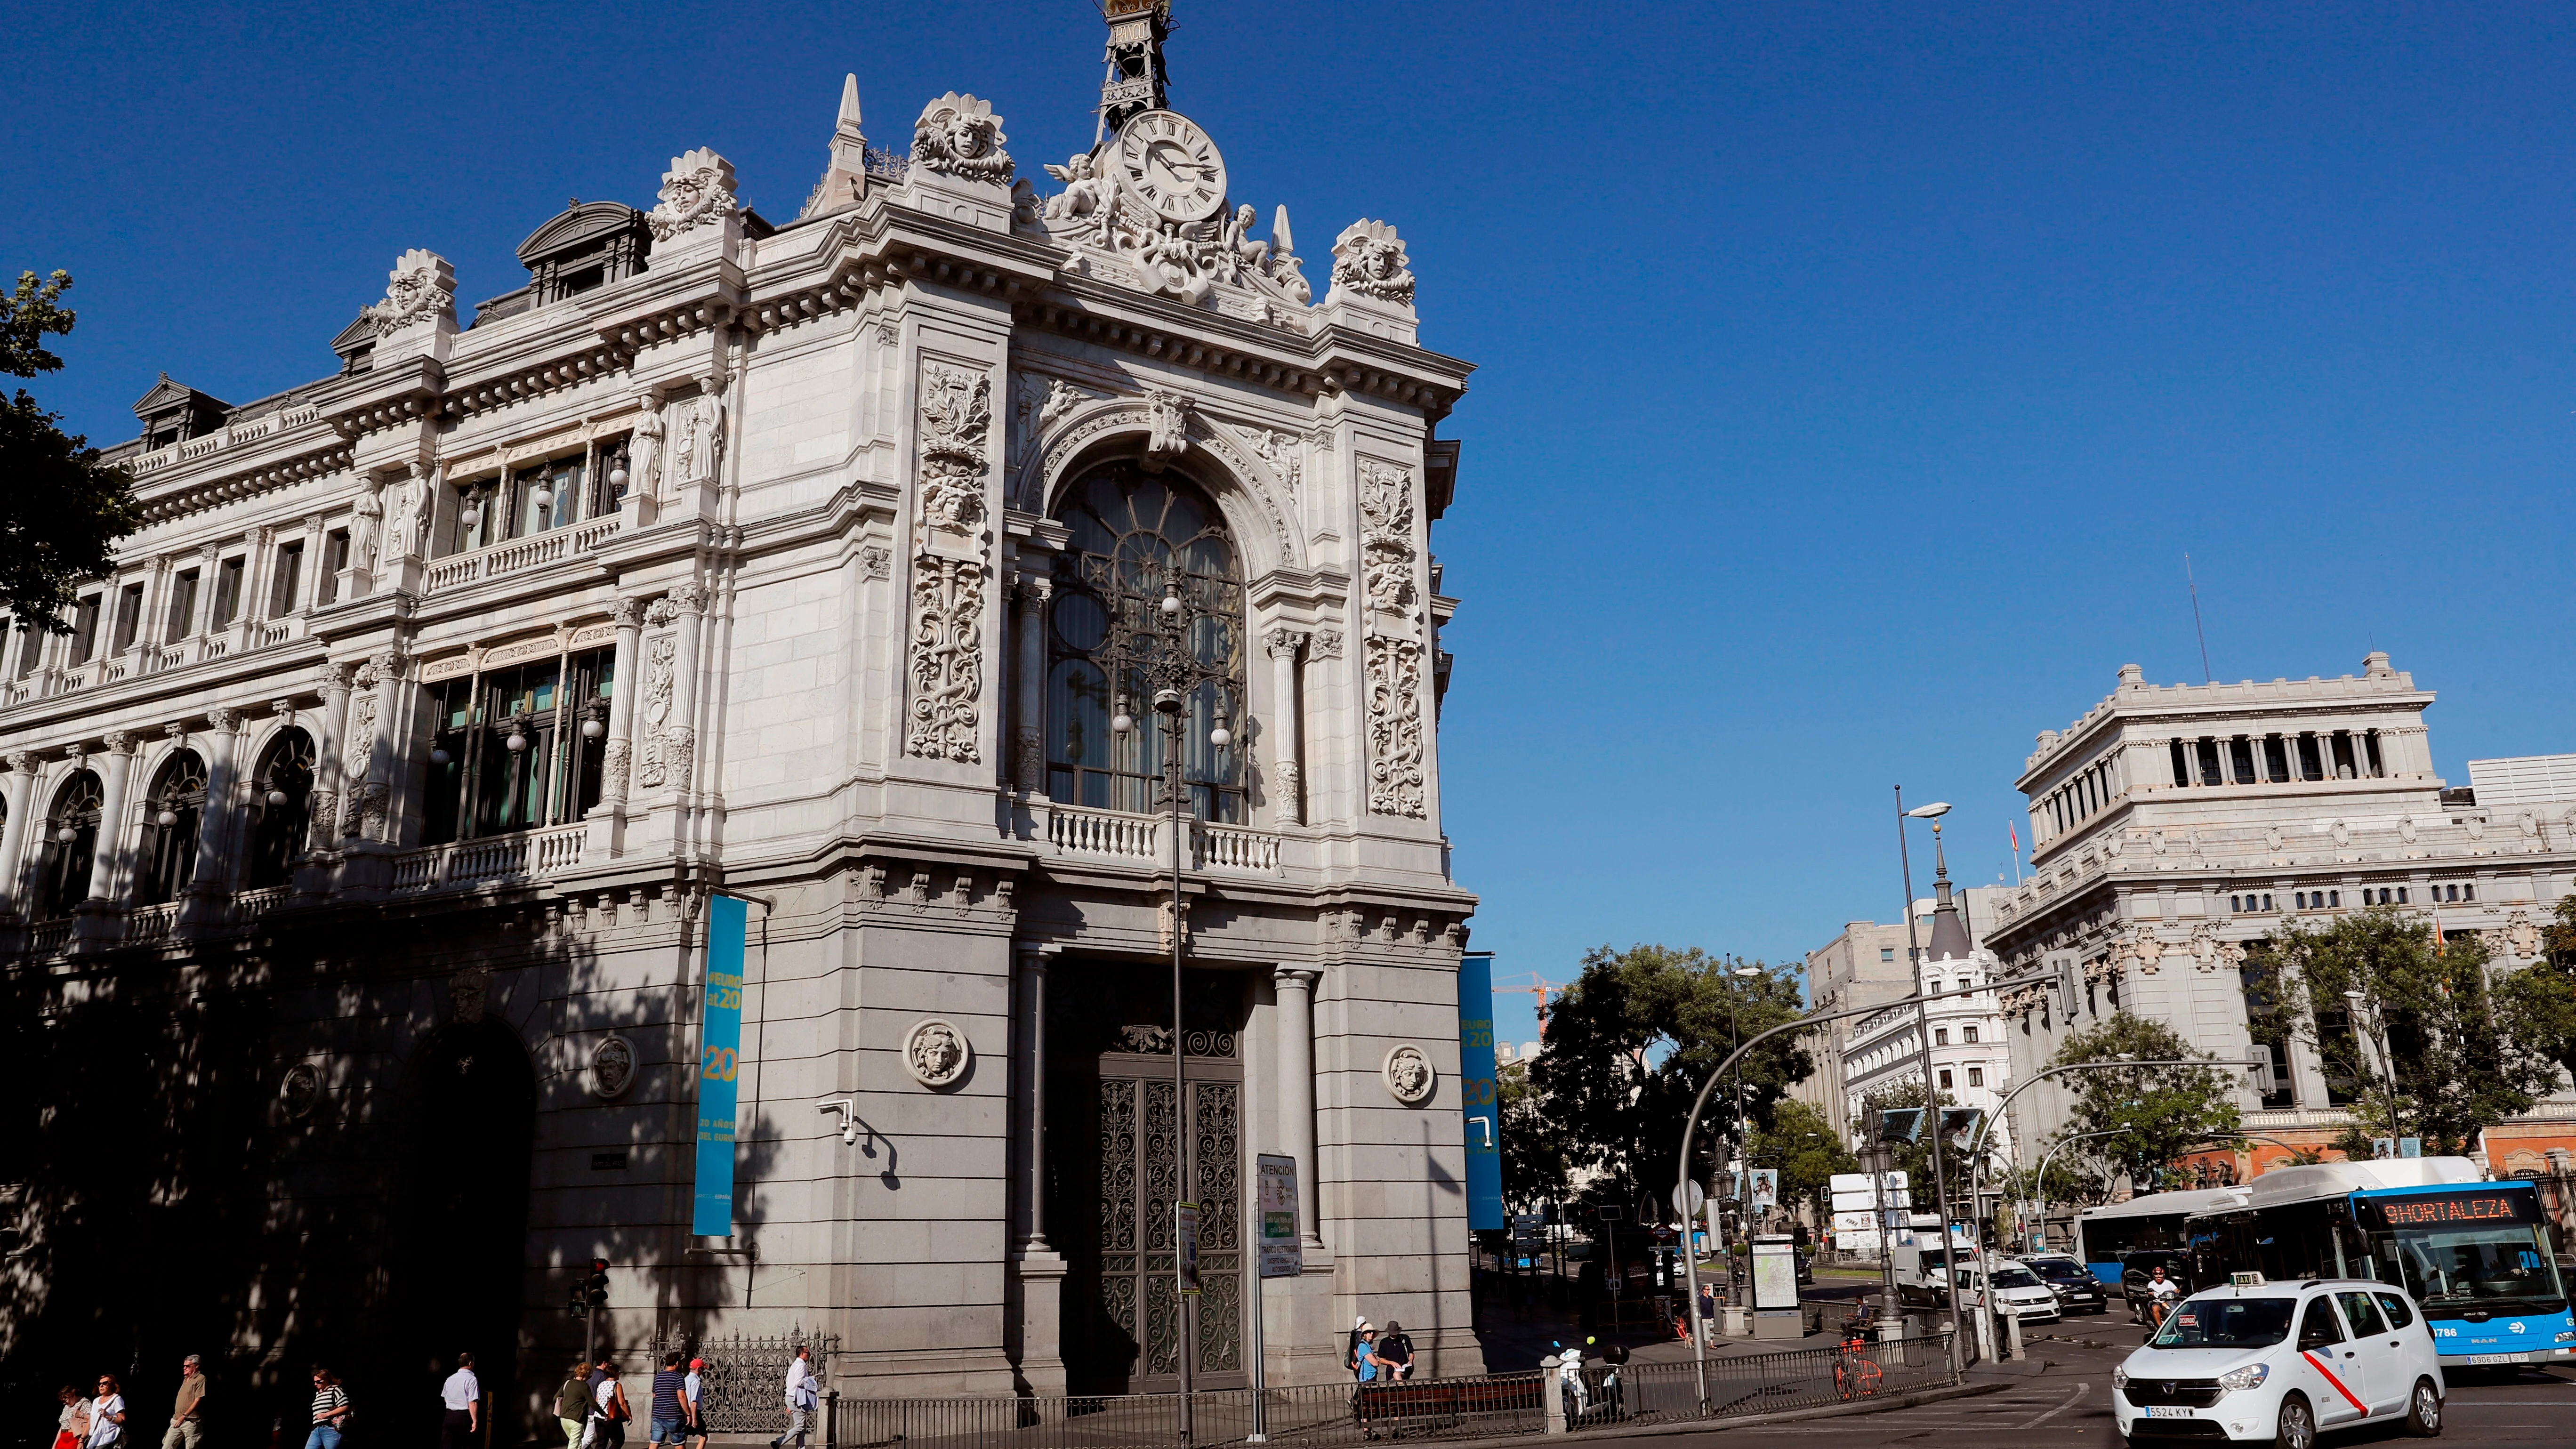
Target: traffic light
592 1292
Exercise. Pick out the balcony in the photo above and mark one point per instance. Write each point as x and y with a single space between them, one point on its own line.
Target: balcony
1120 835
533 856
519 555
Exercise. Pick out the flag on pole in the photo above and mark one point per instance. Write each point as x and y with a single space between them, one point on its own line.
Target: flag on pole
2016 836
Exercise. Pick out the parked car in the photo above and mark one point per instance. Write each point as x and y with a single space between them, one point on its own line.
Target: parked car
2278 1362
2013 1288
2078 1291
2137 1272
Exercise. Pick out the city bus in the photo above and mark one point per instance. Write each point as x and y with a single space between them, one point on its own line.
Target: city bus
2476 1255
2106 1236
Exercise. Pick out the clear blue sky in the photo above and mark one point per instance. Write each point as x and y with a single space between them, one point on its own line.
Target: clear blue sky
1853 378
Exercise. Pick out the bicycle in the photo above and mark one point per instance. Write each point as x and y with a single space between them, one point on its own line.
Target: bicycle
1856 1374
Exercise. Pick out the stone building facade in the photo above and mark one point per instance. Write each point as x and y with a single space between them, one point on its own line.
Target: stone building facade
838 561
2173 824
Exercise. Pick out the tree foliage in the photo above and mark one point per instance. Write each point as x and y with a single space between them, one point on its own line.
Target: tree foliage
61 509
2153 1114
2444 1044
1534 1157
1630 1042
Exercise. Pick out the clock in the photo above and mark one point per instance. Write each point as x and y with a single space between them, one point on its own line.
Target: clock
1165 161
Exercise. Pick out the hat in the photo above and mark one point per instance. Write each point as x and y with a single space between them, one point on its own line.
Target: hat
697 1363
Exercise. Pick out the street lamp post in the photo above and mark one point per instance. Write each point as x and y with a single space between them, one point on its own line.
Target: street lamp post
1923 1044
1170 674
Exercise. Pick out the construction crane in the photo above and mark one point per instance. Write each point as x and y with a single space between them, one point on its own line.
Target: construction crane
1538 989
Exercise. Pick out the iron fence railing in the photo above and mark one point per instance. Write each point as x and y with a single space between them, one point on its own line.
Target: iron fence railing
744 1385
1329 1416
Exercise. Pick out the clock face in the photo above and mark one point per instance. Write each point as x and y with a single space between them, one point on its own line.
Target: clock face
1169 164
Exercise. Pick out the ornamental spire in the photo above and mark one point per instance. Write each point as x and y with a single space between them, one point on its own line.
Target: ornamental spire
1135 81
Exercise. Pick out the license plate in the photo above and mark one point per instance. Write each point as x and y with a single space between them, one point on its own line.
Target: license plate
2486 1358
2168 1411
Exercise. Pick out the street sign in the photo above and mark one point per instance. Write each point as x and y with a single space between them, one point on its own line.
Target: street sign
1843 1182
1858 1222
1690 1207
1275 1203
1855 1202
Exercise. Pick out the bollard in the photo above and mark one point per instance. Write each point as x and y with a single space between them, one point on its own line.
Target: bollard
2012 1336
1552 1391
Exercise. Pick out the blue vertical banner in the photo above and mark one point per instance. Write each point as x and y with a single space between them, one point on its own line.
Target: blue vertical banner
719 1067
1476 1085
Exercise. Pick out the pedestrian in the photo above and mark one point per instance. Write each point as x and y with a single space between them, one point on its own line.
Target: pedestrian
1395 1351
106 1414
693 1393
71 1428
187 1411
463 1396
1367 1372
330 1410
670 1419
609 1409
572 1404
801 1399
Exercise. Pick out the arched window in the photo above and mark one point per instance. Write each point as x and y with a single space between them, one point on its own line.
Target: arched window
178 802
281 807
71 842
1136 537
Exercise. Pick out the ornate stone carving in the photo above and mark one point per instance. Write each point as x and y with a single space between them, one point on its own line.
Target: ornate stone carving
1084 189
956 414
420 288
696 431
615 762
1327 644
661 664
25 762
469 990
959 135
661 612
1186 256
1410 1077
1282 451
1386 534
947 658
1284 643
1395 725
612 1067
299 1091
877 563
2406 829
2204 947
366 521
644 450
937 1053
626 612
2521 936
1168 415
697 191
689 597
1369 259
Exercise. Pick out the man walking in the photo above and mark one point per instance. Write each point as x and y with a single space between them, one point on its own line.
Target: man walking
670 1420
187 1412
801 1399
693 1391
463 1396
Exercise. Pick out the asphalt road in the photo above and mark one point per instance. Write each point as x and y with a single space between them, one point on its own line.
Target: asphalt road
2068 1405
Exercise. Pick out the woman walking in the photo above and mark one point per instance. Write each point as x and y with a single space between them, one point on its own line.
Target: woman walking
612 1411
71 1431
106 1414
330 1410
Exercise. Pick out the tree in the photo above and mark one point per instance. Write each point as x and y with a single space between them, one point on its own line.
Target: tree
2444 1044
1628 1045
2154 1114
1914 1158
1534 1160
1802 1143
61 509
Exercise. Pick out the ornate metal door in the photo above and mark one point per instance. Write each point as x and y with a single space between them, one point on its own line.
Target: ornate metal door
1115 1189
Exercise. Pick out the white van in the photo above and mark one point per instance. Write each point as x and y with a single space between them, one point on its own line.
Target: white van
1923 1272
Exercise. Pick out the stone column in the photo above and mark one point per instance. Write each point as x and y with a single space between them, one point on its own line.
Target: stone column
204 894
1287 717
113 772
323 832
21 827
1028 746
617 759
1297 1092
688 603
1034 1318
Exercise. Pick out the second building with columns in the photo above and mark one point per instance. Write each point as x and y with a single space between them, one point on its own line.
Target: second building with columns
836 561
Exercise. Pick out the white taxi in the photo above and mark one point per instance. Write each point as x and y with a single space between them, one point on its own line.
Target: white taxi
2278 1362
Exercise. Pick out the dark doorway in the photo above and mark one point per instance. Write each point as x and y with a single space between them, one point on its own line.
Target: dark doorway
457 1262
1113 1174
